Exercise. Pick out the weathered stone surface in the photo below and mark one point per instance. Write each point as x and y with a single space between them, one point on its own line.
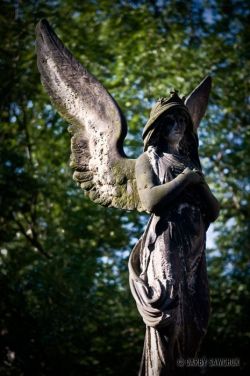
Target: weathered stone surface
97 126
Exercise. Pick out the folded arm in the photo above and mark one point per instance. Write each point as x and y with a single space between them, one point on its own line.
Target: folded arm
154 196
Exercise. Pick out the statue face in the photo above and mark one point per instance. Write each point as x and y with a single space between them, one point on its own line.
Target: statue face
173 126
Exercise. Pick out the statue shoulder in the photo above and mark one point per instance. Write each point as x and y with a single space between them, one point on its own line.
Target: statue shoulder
144 172
142 162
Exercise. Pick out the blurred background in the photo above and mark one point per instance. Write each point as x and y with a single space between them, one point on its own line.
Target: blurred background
66 308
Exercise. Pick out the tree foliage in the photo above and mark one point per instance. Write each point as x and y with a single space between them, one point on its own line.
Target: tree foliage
65 304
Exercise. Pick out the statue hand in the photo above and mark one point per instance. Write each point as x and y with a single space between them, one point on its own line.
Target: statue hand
194 176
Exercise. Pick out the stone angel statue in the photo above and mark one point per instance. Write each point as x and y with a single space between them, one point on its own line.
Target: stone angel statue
167 267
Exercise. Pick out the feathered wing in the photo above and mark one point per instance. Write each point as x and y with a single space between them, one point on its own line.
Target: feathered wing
197 101
98 127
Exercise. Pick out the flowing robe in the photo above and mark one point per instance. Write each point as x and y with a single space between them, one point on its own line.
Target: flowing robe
168 276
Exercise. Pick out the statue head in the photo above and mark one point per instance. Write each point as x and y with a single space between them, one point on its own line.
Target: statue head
194 107
160 116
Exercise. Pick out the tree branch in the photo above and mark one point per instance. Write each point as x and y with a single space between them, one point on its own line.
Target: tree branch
32 239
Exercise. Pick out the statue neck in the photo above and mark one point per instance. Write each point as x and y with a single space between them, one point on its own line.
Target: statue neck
168 148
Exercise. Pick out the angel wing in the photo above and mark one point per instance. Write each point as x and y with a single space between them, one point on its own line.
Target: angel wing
197 101
98 127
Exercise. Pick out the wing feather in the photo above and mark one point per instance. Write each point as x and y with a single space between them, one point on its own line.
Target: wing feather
98 127
197 101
